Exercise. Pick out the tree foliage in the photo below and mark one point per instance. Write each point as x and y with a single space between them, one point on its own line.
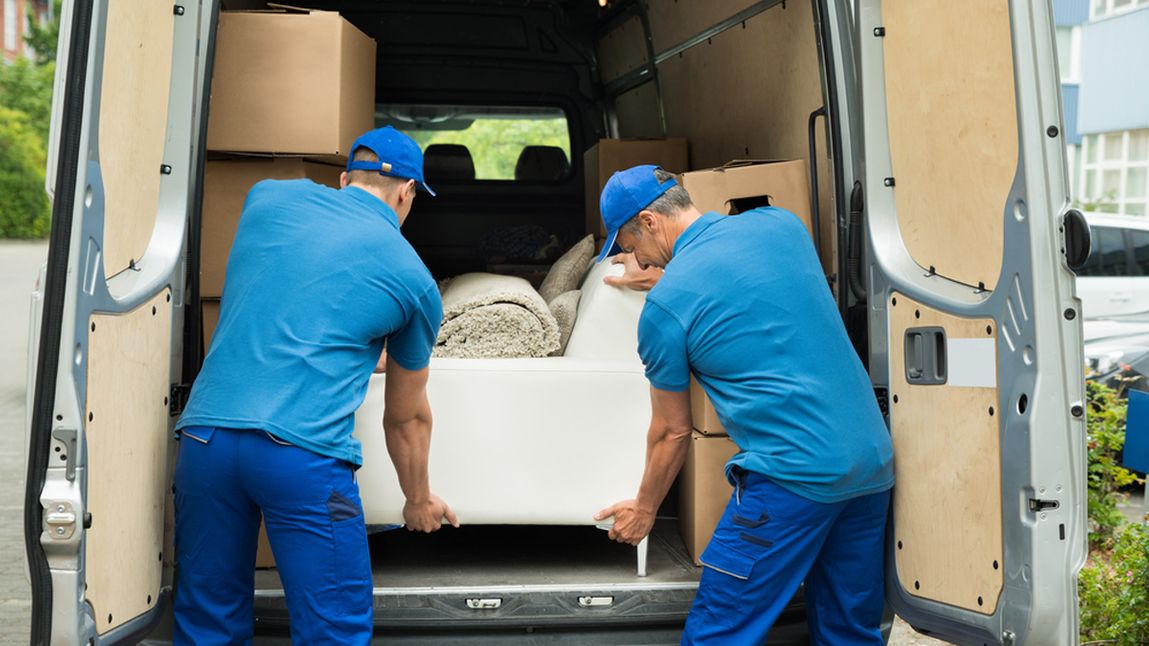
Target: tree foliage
42 38
495 144
27 88
24 209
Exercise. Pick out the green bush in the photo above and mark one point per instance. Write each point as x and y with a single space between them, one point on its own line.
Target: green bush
1105 426
1114 590
24 209
27 88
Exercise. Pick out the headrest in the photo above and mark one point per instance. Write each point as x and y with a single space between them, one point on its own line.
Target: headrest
448 162
542 163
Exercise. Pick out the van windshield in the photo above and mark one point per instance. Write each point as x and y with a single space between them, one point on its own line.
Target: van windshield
464 143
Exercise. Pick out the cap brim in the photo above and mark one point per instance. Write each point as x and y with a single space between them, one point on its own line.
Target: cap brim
610 247
427 188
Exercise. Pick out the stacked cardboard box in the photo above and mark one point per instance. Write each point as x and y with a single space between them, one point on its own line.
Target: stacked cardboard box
703 489
733 188
291 90
611 155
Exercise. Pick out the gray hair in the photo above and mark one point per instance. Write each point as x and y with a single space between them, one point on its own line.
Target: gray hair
670 203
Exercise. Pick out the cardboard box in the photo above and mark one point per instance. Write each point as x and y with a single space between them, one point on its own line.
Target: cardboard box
705 418
226 183
611 155
290 81
263 556
703 490
209 319
741 185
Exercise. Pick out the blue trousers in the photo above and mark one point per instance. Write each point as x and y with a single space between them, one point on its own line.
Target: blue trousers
768 541
310 504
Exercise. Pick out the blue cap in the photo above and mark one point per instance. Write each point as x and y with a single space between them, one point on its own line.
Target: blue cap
626 193
399 155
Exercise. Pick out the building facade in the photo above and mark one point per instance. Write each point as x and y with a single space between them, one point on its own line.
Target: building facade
1103 52
14 21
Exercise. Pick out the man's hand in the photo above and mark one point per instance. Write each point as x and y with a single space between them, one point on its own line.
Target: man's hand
632 522
634 277
428 516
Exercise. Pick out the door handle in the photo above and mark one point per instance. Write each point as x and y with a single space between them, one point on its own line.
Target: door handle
925 356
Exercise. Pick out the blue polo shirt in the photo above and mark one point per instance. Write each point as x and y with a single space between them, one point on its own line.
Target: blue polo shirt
744 306
317 281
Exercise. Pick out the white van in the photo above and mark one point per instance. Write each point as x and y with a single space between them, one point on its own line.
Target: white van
940 189
1115 279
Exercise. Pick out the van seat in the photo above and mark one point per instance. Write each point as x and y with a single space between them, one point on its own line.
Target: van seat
542 163
449 163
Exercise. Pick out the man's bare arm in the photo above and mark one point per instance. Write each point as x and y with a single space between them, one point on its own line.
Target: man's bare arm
407 427
666 445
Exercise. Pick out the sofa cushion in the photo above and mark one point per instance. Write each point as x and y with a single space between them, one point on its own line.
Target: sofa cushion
568 271
607 323
565 308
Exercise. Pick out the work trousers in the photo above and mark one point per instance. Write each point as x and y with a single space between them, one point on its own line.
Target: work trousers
771 540
225 479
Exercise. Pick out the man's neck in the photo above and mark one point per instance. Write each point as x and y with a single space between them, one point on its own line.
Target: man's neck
681 223
380 195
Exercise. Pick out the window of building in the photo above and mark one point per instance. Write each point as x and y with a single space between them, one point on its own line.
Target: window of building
1103 8
529 144
1115 175
11 22
1069 53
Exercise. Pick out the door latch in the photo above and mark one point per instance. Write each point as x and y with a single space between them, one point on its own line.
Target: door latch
59 520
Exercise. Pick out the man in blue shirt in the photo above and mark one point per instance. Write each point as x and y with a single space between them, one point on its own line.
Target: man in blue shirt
743 306
317 282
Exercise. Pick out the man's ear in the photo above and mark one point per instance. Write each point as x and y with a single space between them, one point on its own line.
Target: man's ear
409 190
343 179
649 221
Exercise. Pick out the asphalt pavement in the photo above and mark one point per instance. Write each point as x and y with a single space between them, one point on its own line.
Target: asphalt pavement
19 265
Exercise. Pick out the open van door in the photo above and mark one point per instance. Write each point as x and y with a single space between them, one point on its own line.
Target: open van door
124 116
954 159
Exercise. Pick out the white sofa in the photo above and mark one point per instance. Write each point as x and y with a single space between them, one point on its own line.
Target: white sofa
546 441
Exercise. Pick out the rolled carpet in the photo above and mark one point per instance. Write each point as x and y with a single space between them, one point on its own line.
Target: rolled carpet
488 316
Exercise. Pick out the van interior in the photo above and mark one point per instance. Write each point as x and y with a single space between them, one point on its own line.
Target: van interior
738 79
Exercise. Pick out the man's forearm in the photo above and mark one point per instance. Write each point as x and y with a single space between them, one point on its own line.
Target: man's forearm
409 444
665 452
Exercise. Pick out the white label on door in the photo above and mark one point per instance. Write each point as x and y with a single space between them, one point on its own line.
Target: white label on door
972 363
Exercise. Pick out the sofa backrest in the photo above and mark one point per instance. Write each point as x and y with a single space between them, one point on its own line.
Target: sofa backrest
607 323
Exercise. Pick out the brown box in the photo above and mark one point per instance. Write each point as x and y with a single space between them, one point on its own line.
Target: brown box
703 490
610 155
226 183
263 556
724 188
290 81
209 319
704 417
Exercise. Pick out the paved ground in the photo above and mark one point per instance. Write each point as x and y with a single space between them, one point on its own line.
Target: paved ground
19 264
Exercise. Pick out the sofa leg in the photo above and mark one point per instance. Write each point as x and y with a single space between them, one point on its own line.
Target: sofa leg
642 549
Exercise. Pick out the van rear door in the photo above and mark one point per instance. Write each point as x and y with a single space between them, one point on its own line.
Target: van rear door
952 135
100 443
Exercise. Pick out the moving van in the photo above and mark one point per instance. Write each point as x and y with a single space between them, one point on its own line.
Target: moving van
932 134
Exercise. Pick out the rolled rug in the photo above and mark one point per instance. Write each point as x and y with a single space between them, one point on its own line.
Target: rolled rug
491 316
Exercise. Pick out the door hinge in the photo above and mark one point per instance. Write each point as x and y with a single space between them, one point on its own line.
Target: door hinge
178 398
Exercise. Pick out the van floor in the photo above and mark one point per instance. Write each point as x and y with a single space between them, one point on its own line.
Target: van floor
515 577
487 556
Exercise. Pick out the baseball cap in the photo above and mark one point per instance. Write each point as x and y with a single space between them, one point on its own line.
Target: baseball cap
626 193
399 155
